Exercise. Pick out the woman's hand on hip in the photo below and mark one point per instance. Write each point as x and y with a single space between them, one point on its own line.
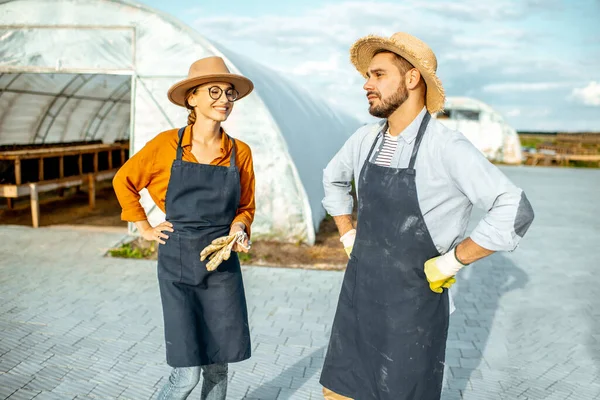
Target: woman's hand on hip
156 233
244 246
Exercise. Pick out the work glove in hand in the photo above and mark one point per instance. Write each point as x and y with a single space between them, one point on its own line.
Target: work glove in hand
348 241
440 271
215 245
222 250
219 256
348 250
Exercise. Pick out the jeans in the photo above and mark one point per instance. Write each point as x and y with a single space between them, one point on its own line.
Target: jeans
183 380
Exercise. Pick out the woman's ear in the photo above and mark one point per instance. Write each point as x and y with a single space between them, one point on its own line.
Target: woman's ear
191 100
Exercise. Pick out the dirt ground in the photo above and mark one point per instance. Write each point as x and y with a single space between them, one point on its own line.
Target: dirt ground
73 209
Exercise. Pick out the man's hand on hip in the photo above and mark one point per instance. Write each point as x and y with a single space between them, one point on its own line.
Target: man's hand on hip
440 271
348 241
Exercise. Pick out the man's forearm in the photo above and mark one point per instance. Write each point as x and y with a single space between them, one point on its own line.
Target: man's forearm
468 251
343 223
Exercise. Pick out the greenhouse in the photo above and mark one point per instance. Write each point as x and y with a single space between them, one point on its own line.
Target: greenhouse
97 71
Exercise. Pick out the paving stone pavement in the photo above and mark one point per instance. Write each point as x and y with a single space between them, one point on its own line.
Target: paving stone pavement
76 325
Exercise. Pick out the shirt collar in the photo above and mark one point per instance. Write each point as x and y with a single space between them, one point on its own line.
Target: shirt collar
409 134
186 141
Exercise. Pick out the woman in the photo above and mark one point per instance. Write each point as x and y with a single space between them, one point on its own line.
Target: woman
204 182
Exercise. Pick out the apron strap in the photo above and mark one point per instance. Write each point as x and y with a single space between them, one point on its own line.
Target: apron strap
232 158
418 139
380 133
179 148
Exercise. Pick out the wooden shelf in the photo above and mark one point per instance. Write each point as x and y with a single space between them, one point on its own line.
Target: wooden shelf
33 171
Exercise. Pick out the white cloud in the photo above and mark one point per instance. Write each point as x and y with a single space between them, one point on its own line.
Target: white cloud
313 47
538 112
470 42
482 49
524 86
531 112
589 95
476 10
319 67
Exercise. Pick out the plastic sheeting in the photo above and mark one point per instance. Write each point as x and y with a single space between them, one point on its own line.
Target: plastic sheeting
82 48
484 127
77 69
50 108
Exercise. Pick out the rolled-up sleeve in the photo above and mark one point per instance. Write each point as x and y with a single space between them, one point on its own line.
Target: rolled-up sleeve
246 208
509 213
130 179
337 181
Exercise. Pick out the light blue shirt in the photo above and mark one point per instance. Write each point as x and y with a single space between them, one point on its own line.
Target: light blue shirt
452 175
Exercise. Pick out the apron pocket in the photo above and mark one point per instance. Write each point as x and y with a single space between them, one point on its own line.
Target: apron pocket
193 270
169 259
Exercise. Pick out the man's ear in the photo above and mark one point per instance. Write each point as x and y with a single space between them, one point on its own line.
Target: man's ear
413 77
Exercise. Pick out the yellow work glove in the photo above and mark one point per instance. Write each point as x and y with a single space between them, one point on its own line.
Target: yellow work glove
219 249
440 271
348 241
348 250
221 255
214 246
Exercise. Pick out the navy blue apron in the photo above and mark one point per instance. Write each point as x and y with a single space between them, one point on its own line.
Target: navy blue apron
388 338
205 313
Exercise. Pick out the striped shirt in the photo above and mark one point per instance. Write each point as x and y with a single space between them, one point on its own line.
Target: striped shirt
385 155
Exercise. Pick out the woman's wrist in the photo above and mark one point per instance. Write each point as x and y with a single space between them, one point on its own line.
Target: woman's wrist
241 225
142 226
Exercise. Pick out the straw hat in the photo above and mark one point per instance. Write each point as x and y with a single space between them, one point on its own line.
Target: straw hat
413 50
205 70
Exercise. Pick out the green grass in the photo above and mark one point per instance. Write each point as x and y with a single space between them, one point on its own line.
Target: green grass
127 250
244 257
584 164
534 142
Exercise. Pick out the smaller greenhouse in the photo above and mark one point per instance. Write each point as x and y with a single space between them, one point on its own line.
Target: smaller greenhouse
484 127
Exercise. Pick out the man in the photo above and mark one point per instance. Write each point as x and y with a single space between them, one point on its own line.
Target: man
416 183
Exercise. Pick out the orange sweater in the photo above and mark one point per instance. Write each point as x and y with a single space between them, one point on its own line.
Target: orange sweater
150 168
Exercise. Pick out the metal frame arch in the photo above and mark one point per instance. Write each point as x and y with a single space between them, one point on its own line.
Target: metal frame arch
111 99
70 118
11 103
103 118
60 95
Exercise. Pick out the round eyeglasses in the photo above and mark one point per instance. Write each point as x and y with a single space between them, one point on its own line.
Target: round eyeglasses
216 92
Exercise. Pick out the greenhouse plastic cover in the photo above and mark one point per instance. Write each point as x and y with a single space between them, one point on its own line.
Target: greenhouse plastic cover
100 69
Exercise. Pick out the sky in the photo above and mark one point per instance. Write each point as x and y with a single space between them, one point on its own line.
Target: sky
537 62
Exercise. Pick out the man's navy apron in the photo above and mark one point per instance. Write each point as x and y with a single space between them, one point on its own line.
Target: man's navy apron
388 338
205 313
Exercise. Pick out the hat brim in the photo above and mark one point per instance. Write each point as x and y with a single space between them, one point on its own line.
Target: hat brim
364 49
177 93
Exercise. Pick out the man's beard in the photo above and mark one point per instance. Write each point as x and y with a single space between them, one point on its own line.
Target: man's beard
389 105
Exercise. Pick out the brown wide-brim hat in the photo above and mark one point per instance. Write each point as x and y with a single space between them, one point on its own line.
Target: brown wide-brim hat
414 50
206 70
